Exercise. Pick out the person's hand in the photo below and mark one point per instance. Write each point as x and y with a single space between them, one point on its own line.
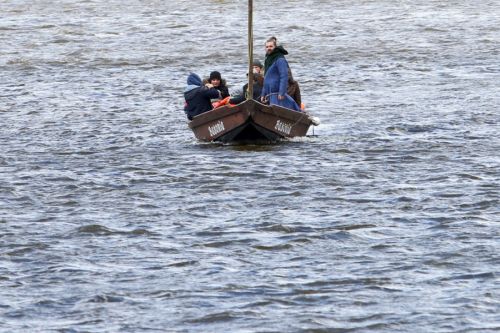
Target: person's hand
263 99
209 85
280 97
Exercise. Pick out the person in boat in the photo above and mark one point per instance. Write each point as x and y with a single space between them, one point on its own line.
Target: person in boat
258 81
198 96
275 86
219 83
293 88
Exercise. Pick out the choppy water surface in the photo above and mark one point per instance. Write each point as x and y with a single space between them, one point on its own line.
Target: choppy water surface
114 219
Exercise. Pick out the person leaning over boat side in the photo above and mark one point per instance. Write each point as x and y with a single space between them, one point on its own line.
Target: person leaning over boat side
198 96
276 77
258 81
219 83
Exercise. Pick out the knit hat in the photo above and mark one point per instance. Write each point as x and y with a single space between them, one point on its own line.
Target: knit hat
257 63
215 76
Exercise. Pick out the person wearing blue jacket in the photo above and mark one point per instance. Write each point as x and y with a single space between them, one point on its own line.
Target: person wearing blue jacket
198 96
276 77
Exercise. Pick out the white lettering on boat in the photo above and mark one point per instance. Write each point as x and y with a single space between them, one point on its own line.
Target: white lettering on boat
216 128
283 127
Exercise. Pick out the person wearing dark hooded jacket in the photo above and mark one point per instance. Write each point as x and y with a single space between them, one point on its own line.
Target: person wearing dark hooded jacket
198 96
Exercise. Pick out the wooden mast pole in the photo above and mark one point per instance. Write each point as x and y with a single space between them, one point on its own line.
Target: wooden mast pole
250 50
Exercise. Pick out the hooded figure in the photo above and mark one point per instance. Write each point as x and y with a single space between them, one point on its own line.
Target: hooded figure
198 96
276 79
219 84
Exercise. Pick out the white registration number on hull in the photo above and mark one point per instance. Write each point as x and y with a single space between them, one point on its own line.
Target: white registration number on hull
283 127
216 128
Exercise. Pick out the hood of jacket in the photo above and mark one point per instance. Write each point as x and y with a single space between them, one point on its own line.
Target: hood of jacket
278 52
193 82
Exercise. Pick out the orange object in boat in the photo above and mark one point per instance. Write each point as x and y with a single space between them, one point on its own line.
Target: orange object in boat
221 102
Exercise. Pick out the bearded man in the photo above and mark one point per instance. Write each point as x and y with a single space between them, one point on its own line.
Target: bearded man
275 86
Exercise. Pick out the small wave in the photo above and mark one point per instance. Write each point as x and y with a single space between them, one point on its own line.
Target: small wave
469 176
482 205
280 228
214 318
339 236
381 247
183 263
141 232
355 226
206 233
227 243
411 128
449 195
278 247
62 179
95 229
353 281
477 276
99 230
106 299
178 25
342 151
405 199
148 206
22 249
61 41
21 62
46 26
433 29
15 314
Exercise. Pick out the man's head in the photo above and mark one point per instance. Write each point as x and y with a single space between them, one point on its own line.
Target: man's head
270 45
215 78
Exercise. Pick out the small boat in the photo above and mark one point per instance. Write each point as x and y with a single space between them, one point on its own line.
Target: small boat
251 121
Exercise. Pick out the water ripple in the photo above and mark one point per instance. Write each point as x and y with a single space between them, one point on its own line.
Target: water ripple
114 218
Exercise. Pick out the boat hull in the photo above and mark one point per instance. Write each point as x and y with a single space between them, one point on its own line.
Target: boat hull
250 121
